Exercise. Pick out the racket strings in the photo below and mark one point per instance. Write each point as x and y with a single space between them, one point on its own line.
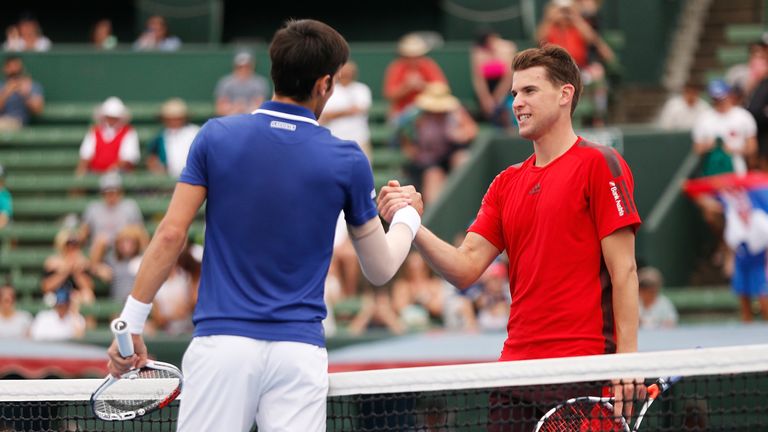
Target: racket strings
156 386
581 416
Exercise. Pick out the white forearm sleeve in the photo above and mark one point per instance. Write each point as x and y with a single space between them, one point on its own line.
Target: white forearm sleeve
381 255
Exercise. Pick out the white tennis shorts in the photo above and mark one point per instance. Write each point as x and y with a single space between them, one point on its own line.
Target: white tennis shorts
230 382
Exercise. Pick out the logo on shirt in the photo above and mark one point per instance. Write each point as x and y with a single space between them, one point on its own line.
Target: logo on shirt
535 189
373 193
282 125
616 197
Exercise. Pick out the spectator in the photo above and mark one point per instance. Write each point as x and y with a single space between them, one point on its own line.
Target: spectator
376 308
656 310
757 104
175 301
564 25
746 234
168 151
746 76
103 219
112 144
67 266
491 58
493 302
6 201
14 323
243 90
681 111
345 267
407 76
420 296
121 265
156 37
346 112
733 125
20 96
26 36
63 322
101 35
434 135
725 138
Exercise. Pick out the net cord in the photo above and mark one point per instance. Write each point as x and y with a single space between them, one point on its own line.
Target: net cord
698 362
692 362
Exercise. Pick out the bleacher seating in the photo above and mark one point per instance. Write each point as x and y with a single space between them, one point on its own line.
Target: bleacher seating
40 162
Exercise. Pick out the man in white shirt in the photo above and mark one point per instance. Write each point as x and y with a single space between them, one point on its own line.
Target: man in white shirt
60 323
681 111
168 151
112 143
346 113
731 124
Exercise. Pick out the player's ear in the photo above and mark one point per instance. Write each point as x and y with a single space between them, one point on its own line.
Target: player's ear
566 94
324 85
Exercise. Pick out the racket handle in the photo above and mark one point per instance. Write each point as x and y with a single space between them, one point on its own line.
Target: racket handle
123 336
662 385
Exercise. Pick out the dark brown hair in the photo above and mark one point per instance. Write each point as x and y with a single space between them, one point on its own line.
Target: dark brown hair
560 67
302 52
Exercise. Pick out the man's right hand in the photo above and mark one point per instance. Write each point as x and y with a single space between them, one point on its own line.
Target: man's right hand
393 197
119 365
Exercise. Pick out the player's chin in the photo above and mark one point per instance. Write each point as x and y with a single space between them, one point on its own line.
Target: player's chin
527 132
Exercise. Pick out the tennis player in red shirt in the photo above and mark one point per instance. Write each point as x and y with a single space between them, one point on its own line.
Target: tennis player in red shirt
566 218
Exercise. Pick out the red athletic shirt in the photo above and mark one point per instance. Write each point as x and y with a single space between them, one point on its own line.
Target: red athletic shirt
550 221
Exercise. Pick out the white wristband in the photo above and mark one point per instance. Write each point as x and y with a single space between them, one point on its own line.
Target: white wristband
408 216
135 313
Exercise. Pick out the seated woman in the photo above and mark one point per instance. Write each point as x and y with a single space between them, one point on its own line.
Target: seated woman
491 58
434 135
68 263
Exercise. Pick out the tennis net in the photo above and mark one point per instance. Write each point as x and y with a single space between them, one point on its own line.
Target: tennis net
721 389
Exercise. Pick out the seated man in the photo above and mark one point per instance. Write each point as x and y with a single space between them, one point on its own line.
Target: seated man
103 219
112 144
20 96
62 322
168 151
408 75
243 90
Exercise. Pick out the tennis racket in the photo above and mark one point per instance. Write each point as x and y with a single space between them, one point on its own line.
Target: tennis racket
589 413
137 392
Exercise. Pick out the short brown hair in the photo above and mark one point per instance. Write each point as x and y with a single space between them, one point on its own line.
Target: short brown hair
302 52
560 67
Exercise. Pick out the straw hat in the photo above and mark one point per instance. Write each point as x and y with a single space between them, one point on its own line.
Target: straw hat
174 108
437 98
412 45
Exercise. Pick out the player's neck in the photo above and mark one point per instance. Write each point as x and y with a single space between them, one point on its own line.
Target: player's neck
554 143
310 104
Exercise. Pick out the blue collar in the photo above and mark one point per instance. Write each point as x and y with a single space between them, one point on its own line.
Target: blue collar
287 108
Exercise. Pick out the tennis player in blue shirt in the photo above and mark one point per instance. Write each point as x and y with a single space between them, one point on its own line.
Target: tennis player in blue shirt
275 182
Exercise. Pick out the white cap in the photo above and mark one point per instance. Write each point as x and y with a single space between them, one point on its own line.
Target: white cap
113 107
243 57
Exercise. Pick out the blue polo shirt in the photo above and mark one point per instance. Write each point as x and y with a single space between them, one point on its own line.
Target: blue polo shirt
276 182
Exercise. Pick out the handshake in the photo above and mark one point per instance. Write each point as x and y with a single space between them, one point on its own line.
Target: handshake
394 197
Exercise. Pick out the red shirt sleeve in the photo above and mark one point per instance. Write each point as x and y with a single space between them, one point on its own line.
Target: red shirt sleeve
488 222
393 78
612 193
432 71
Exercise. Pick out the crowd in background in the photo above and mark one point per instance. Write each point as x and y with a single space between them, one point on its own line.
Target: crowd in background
729 132
431 126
